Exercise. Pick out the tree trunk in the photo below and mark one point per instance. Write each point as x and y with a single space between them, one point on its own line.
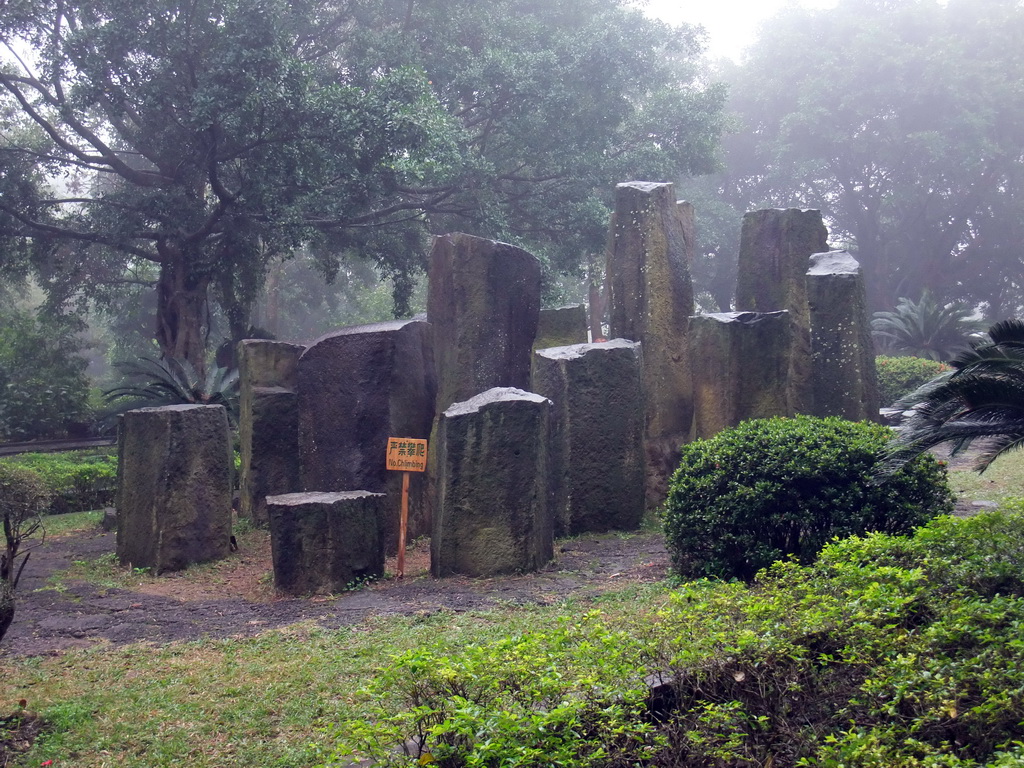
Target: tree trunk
6 607
182 313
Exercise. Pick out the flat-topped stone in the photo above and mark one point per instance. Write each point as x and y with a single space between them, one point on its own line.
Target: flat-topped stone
843 354
597 454
833 263
492 512
741 368
174 486
491 396
325 541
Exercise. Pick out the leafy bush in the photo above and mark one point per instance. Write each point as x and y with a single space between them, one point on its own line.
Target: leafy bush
77 480
174 381
23 497
925 328
43 387
770 488
570 697
899 376
888 651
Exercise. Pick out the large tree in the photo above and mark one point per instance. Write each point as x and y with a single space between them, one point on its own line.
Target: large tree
199 141
902 120
202 138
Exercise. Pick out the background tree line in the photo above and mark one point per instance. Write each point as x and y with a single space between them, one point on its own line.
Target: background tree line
903 122
169 166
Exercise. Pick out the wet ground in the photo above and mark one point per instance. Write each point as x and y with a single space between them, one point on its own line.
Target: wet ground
55 613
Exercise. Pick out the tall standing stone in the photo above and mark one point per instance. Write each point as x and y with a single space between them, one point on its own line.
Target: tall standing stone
268 423
597 453
493 509
483 301
561 326
651 300
775 251
741 368
845 381
325 542
174 486
359 386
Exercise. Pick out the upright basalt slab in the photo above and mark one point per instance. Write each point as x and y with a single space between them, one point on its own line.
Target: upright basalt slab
268 423
359 386
597 453
845 381
493 508
561 326
483 301
326 542
741 368
775 251
651 301
174 486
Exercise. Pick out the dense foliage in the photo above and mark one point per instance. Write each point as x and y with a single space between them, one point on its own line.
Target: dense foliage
899 376
889 651
925 328
904 131
75 481
771 488
171 381
23 499
981 399
200 144
43 388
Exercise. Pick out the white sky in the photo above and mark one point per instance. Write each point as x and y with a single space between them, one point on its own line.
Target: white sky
731 24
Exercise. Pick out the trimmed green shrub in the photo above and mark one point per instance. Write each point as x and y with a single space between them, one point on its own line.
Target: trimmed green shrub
77 480
771 488
899 376
888 651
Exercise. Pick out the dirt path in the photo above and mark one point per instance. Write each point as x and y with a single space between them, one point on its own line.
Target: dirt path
236 599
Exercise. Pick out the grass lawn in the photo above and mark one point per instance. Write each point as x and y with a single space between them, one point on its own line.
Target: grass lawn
271 700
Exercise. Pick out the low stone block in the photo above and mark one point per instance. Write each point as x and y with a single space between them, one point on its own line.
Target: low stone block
174 486
741 368
493 509
325 542
597 450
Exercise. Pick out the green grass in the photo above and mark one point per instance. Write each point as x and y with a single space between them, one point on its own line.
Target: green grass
267 702
237 702
61 525
1004 479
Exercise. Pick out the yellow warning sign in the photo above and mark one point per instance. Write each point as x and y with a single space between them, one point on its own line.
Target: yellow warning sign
407 454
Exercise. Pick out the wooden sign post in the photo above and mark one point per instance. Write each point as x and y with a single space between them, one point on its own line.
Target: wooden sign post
405 454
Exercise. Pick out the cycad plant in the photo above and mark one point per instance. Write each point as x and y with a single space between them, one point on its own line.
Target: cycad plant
925 328
982 398
174 381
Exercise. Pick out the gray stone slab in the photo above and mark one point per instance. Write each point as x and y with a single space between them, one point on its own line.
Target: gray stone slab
325 542
492 512
174 486
597 450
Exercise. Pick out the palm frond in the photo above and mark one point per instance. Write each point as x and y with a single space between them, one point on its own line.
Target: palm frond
981 399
